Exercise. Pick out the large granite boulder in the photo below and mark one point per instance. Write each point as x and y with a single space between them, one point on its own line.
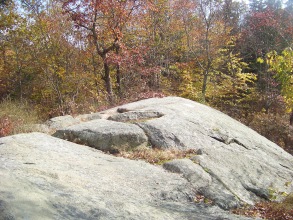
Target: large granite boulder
43 177
241 166
88 117
57 179
61 122
109 136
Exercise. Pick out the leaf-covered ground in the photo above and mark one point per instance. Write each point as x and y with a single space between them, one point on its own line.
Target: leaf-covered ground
270 210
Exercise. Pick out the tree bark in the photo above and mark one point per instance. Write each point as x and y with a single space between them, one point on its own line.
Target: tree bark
204 85
118 77
107 80
118 80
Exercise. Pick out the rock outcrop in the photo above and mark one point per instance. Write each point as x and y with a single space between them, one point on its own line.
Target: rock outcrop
61 122
243 166
109 136
46 176
43 177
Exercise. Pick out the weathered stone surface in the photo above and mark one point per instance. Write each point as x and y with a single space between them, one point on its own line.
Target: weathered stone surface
247 174
236 165
170 131
61 122
244 166
105 135
193 172
135 116
89 117
43 177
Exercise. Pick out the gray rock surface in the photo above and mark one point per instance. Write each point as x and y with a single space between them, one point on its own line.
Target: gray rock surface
61 122
234 166
244 166
105 135
43 177
88 117
191 171
135 116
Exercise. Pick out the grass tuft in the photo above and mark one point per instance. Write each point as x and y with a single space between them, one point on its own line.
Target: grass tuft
16 117
156 156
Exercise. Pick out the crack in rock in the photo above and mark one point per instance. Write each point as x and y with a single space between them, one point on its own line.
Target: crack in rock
285 167
220 192
228 141
262 193
159 138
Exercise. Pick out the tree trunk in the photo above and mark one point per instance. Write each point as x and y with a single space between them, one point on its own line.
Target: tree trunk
118 77
204 85
107 79
95 74
118 80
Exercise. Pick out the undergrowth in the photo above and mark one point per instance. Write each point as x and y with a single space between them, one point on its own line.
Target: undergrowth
16 117
157 156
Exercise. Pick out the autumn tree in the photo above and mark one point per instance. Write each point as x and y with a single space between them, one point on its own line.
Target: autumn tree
266 28
7 20
41 49
105 23
232 12
163 37
13 46
211 27
233 85
281 65
3 2
206 33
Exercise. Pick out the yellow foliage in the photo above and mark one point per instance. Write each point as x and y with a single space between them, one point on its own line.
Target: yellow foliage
282 68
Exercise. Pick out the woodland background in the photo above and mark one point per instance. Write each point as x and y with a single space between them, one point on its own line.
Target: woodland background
78 56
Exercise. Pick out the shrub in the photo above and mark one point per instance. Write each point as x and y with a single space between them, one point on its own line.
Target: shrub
274 127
